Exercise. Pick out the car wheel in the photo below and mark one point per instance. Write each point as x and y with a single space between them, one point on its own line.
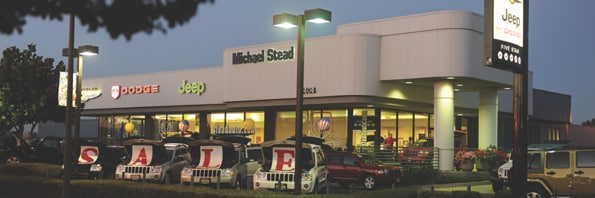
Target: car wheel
536 192
13 159
167 179
369 182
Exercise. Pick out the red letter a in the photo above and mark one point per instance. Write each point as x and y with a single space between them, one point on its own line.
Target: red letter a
142 157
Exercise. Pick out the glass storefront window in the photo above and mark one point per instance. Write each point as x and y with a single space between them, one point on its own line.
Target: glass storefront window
285 125
249 124
256 119
364 127
167 124
388 121
336 134
421 126
405 129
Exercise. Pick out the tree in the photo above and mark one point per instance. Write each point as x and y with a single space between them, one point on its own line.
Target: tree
28 89
118 17
589 122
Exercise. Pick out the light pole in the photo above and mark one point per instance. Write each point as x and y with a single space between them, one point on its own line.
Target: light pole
286 20
85 50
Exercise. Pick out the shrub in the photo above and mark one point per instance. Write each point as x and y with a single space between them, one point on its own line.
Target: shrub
416 175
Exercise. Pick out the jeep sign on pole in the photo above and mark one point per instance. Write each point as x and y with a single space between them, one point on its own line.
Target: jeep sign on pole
506 47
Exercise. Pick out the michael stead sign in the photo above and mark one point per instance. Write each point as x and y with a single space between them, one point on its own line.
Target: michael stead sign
503 33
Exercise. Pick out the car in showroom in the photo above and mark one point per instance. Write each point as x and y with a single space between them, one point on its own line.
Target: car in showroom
153 161
363 169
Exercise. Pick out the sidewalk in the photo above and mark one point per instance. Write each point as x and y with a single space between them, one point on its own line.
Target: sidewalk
483 187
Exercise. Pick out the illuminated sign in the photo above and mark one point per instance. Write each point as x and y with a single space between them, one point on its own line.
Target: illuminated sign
503 33
258 57
196 87
118 90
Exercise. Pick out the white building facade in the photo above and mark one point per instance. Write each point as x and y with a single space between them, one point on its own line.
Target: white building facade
415 77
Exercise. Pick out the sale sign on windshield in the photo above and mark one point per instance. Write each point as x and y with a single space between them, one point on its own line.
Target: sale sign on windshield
141 155
283 159
88 154
210 157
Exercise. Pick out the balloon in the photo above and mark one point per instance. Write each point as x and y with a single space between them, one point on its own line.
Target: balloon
248 125
324 124
183 125
129 127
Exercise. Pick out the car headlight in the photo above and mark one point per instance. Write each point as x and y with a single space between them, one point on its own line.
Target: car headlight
307 177
260 175
96 168
155 169
227 172
187 171
120 168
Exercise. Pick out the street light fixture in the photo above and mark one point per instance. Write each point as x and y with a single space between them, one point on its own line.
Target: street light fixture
286 20
85 50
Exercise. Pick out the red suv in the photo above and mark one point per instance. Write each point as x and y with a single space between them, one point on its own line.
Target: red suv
346 168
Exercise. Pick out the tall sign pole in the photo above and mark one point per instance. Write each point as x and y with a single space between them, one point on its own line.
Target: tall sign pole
66 193
506 28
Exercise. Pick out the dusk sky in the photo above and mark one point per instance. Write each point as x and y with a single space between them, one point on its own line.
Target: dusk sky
560 38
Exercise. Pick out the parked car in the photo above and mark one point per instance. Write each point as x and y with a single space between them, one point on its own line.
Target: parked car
278 167
557 171
14 149
153 161
223 160
48 150
98 161
346 168
420 151
423 151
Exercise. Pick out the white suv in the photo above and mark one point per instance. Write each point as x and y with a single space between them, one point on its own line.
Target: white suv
220 161
153 161
278 169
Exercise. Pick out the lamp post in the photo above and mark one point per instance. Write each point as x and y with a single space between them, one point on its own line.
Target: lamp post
85 50
286 20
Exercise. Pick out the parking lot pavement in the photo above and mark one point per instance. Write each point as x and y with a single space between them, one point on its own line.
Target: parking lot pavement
483 187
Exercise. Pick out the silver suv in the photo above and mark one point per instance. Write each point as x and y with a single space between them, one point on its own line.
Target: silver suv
277 170
153 161
221 161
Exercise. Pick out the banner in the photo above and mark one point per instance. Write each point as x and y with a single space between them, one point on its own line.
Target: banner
210 157
141 155
88 155
283 159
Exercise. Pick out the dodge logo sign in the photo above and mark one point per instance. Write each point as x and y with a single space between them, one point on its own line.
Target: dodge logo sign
116 92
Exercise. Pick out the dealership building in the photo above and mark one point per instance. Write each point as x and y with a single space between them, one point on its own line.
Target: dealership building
414 77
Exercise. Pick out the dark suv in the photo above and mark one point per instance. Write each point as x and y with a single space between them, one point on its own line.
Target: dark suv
14 149
346 168
98 161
